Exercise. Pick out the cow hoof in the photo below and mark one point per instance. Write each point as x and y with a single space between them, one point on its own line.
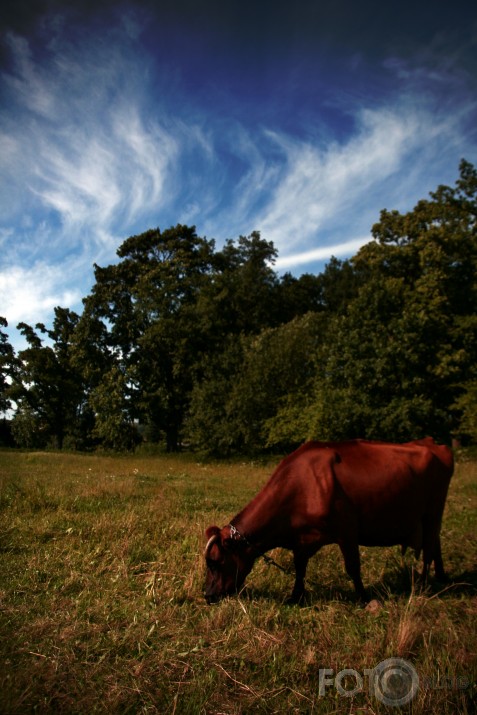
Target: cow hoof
297 600
292 601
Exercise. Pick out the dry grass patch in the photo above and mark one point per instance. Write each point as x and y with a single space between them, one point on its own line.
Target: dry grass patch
102 611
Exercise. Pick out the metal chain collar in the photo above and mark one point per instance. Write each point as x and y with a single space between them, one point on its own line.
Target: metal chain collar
268 559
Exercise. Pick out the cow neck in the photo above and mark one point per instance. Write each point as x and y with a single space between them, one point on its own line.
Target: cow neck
262 521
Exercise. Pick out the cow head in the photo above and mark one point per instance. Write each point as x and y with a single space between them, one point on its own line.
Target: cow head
229 559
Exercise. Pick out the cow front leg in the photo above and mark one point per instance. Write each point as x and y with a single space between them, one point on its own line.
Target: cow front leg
300 559
352 562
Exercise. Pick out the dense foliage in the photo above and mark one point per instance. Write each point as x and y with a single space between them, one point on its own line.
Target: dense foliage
181 343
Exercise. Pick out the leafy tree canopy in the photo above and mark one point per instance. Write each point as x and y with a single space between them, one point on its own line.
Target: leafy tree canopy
6 362
189 344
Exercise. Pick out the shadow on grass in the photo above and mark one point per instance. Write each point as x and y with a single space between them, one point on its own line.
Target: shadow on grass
397 583
404 581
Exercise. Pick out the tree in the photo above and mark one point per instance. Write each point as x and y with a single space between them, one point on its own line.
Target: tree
94 360
287 359
6 362
256 392
148 302
243 293
109 401
407 342
46 387
339 284
369 380
7 357
212 422
212 347
298 296
169 307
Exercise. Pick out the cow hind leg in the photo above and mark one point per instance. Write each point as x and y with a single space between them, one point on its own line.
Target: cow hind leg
436 556
431 552
352 562
438 563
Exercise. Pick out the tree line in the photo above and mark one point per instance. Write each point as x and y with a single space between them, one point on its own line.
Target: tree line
180 343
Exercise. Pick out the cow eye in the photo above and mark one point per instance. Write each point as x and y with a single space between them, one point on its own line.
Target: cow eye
213 565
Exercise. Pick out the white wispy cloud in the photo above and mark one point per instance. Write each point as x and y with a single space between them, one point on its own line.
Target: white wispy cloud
92 149
82 163
29 294
327 186
85 150
345 248
323 199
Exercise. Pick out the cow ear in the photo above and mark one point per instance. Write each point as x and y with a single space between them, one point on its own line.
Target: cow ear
212 534
212 531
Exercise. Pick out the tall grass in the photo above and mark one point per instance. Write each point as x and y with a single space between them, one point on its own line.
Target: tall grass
102 610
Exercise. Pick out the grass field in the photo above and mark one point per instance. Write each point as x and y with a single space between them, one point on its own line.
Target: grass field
102 608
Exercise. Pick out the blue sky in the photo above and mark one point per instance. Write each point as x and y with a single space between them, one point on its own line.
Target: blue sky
301 120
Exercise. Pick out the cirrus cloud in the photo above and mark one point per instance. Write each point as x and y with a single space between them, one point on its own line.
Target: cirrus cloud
120 122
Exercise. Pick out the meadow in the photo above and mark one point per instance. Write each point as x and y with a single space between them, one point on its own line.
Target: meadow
102 607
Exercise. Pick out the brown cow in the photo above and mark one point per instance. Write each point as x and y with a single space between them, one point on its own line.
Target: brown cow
349 493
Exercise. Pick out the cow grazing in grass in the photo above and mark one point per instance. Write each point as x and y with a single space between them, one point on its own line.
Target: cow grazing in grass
347 493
